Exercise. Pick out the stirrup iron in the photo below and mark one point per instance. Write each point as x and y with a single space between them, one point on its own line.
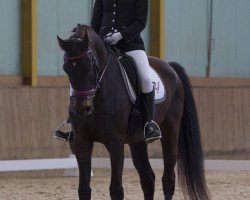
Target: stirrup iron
58 131
151 139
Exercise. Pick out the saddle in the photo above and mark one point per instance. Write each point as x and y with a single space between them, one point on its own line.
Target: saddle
129 73
132 78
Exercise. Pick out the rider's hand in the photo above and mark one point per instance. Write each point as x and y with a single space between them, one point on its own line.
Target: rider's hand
114 38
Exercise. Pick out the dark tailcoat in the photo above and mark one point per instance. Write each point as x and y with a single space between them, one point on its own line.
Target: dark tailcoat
129 17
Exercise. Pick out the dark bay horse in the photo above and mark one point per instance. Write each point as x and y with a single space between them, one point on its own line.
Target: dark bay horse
99 111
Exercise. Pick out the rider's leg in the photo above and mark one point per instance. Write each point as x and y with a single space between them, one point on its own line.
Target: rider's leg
151 129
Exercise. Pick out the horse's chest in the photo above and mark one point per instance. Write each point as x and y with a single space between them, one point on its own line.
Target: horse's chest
100 127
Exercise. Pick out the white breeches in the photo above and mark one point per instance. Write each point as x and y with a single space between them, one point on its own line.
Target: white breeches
142 65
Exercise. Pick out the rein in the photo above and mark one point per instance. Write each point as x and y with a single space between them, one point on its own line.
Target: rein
91 92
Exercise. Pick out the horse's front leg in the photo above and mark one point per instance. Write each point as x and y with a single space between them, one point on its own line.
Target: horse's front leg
116 151
83 151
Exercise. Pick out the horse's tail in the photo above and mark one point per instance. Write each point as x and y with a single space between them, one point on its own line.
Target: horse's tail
190 156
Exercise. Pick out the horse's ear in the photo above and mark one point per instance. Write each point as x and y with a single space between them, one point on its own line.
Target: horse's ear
86 36
85 41
63 44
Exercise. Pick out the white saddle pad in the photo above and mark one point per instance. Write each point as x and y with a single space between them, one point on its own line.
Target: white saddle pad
160 93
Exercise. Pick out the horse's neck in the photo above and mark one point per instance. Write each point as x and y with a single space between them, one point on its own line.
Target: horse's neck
111 72
102 52
112 82
111 98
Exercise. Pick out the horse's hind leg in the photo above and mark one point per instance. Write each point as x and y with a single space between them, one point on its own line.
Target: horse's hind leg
169 157
142 165
170 131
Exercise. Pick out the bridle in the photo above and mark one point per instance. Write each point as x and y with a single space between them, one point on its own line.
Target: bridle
90 93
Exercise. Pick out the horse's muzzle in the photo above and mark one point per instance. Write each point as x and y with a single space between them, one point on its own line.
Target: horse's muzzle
83 107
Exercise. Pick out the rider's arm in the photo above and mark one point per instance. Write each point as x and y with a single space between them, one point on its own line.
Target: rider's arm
139 23
96 21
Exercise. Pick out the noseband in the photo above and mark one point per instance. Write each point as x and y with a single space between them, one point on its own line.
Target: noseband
90 93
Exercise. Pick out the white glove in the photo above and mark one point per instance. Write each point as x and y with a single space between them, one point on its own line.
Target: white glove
114 38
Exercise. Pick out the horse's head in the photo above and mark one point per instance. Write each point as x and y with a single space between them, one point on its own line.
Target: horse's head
83 61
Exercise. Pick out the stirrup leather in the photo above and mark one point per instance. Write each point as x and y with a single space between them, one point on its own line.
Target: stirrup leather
58 131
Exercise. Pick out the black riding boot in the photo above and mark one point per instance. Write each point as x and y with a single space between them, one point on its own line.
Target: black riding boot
152 131
66 136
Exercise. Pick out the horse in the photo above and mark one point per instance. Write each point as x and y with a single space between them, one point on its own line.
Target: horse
99 111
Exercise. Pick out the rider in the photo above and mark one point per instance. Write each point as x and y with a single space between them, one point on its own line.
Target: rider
120 22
